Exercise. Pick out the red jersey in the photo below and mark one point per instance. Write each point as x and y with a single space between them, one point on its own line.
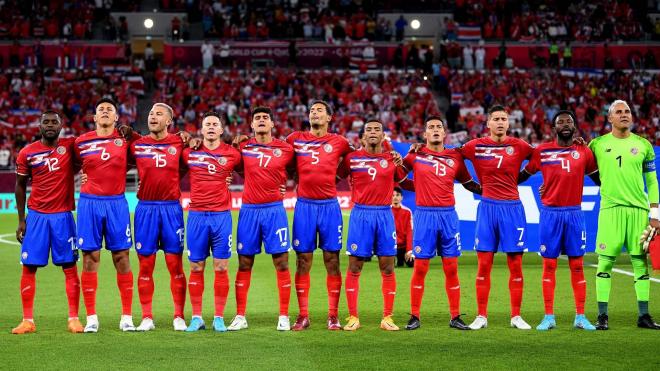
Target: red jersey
403 222
372 177
158 164
104 160
497 165
51 170
265 170
563 170
209 170
317 159
434 176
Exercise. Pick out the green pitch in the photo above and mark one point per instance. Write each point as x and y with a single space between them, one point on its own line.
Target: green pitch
435 345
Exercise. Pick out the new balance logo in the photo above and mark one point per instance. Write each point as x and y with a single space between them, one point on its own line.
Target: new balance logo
285 286
25 289
481 278
455 287
89 290
519 279
350 290
144 279
418 287
547 280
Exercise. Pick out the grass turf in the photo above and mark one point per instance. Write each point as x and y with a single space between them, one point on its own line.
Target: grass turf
434 345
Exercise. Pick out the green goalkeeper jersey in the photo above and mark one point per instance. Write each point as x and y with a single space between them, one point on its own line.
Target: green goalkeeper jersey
623 164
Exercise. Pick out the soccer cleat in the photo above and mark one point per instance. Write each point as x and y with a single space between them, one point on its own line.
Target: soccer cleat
25 327
645 321
147 324
239 323
179 324
196 324
479 323
126 323
458 323
387 324
603 322
74 326
548 323
581 322
413 323
302 323
219 324
283 323
520 323
333 323
92 325
353 324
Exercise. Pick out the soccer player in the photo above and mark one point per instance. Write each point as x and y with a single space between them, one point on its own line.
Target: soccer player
436 222
103 211
404 230
158 215
318 154
561 228
209 218
500 215
371 227
49 226
262 218
625 162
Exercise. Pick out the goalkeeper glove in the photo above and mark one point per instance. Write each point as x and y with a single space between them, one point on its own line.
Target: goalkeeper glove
646 237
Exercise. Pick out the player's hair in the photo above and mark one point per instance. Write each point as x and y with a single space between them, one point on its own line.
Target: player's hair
328 109
262 109
618 101
213 114
50 112
105 100
496 108
167 107
434 117
398 190
564 112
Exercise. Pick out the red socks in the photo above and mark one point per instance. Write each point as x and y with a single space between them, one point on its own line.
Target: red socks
196 288
125 285
72 284
28 288
417 285
515 282
221 290
284 288
89 284
177 282
352 291
484 266
452 286
145 284
549 269
302 291
242 286
388 287
333 284
578 282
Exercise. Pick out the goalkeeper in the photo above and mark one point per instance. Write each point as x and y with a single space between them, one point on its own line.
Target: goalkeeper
625 162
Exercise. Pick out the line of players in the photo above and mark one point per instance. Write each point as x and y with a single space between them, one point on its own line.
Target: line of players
318 158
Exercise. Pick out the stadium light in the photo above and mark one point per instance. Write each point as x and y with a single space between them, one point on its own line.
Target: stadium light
148 23
415 24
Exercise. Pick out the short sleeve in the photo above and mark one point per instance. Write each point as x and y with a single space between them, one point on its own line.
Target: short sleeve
467 150
409 161
22 167
534 163
649 159
462 174
591 166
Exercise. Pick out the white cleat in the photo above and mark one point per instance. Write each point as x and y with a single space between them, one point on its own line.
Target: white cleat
179 324
126 323
92 325
519 323
283 323
479 323
238 323
147 324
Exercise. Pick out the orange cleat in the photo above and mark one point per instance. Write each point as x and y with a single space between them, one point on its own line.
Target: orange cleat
75 326
24 327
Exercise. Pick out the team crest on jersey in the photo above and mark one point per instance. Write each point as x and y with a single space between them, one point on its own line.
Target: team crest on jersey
61 150
138 245
239 246
327 147
554 156
634 150
277 152
80 241
450 162
418 249
118 142
222 161
509 150
383 164
24 255
353 247
542 248
429 157
602 246
575 154
171 150
296 242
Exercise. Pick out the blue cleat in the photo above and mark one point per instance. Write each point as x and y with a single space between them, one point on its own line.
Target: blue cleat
581 322
219 324
547 323
196 324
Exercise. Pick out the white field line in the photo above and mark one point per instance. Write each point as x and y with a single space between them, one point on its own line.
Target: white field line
617 270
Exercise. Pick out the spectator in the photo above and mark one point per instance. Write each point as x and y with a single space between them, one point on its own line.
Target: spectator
480 57
468 58
5 158
400 26
208 51
568 55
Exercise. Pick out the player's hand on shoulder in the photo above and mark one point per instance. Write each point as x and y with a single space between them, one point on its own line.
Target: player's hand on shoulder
20 231
579 141
236 142
125 131
185 136
396 157
195 143
415 147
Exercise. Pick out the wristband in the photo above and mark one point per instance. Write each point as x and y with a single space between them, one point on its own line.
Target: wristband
654 213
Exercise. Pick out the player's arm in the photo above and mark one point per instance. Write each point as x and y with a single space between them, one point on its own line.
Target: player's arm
409 232
464 177
473 187
532 167
21 195
407 184
523 176
651 178
591 168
